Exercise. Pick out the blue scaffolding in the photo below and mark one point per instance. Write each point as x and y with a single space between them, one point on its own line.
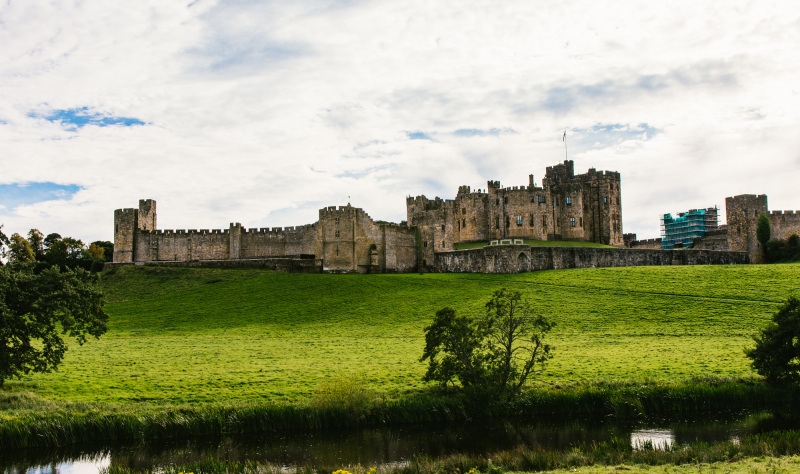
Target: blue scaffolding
680 231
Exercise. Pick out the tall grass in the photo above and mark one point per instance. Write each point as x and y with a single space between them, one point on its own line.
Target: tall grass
622 401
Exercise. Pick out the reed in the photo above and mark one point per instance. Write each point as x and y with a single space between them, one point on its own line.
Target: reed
77 424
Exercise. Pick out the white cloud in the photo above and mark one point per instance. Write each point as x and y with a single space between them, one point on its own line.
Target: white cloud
262 112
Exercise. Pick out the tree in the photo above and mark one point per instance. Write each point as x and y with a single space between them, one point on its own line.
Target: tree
107 248
763 230
20 250
493 354
36 239
3 245
776 354
36 310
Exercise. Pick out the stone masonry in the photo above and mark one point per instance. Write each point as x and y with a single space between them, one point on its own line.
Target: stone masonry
573 207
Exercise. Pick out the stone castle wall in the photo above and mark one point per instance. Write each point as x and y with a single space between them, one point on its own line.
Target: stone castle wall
524 258
784 223
345 238
583 207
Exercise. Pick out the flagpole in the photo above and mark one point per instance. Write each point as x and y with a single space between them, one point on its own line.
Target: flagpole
565 144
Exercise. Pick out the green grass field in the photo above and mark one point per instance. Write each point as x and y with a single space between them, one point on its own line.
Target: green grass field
535 243
194 336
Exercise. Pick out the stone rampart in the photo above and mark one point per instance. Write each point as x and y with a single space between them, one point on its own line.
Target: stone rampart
784 223
524 258
281 264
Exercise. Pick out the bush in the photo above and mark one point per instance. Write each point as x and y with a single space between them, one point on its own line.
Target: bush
776 355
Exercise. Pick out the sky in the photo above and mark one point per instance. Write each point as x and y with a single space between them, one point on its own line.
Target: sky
263 112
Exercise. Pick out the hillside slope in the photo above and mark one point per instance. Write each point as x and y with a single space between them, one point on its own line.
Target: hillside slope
205 335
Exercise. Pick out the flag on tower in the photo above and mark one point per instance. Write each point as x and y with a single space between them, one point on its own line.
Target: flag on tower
565 136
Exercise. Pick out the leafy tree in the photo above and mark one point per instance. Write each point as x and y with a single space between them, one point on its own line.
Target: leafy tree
50 240
793 247
3 245
493 354
36 239
66 252
36 310
776 354
20 250
763 230
453 348
514 338
108 249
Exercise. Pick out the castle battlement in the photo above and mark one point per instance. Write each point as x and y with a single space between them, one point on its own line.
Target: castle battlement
746 197
784 213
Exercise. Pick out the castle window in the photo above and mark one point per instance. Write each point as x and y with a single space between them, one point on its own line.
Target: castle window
544 222
569 201
337 250
505 200
496 222
572 222
337 233
508 222
519 221
531 221
464 224
497 201
605 200
442 227
541 200
463 211
459 225
425 244
580 220
532 198
336 221
442 243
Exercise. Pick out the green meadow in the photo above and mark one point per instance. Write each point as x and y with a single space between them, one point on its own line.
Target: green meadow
180 336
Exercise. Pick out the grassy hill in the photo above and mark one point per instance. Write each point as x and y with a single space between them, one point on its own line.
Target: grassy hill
182 336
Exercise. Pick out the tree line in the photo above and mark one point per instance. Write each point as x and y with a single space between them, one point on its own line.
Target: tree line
55 250
47 294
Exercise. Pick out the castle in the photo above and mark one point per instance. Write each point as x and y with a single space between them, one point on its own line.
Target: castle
585 207
344 239
739 234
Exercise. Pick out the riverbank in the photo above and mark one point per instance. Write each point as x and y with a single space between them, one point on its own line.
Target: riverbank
774 452
28 422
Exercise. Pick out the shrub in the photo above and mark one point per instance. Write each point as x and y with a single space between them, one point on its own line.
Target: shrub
776 355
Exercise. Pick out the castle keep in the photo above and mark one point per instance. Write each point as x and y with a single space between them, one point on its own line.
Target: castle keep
584 207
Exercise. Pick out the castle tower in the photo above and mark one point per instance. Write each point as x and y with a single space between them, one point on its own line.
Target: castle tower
742 215
127 223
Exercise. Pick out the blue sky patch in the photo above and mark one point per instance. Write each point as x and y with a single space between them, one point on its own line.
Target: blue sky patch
76 118
20 194
418 135
604 135
476 132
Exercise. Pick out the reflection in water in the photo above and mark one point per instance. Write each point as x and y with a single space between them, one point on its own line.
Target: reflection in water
378 446
657 439
78 465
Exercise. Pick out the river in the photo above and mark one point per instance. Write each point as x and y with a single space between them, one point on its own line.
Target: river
380 446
